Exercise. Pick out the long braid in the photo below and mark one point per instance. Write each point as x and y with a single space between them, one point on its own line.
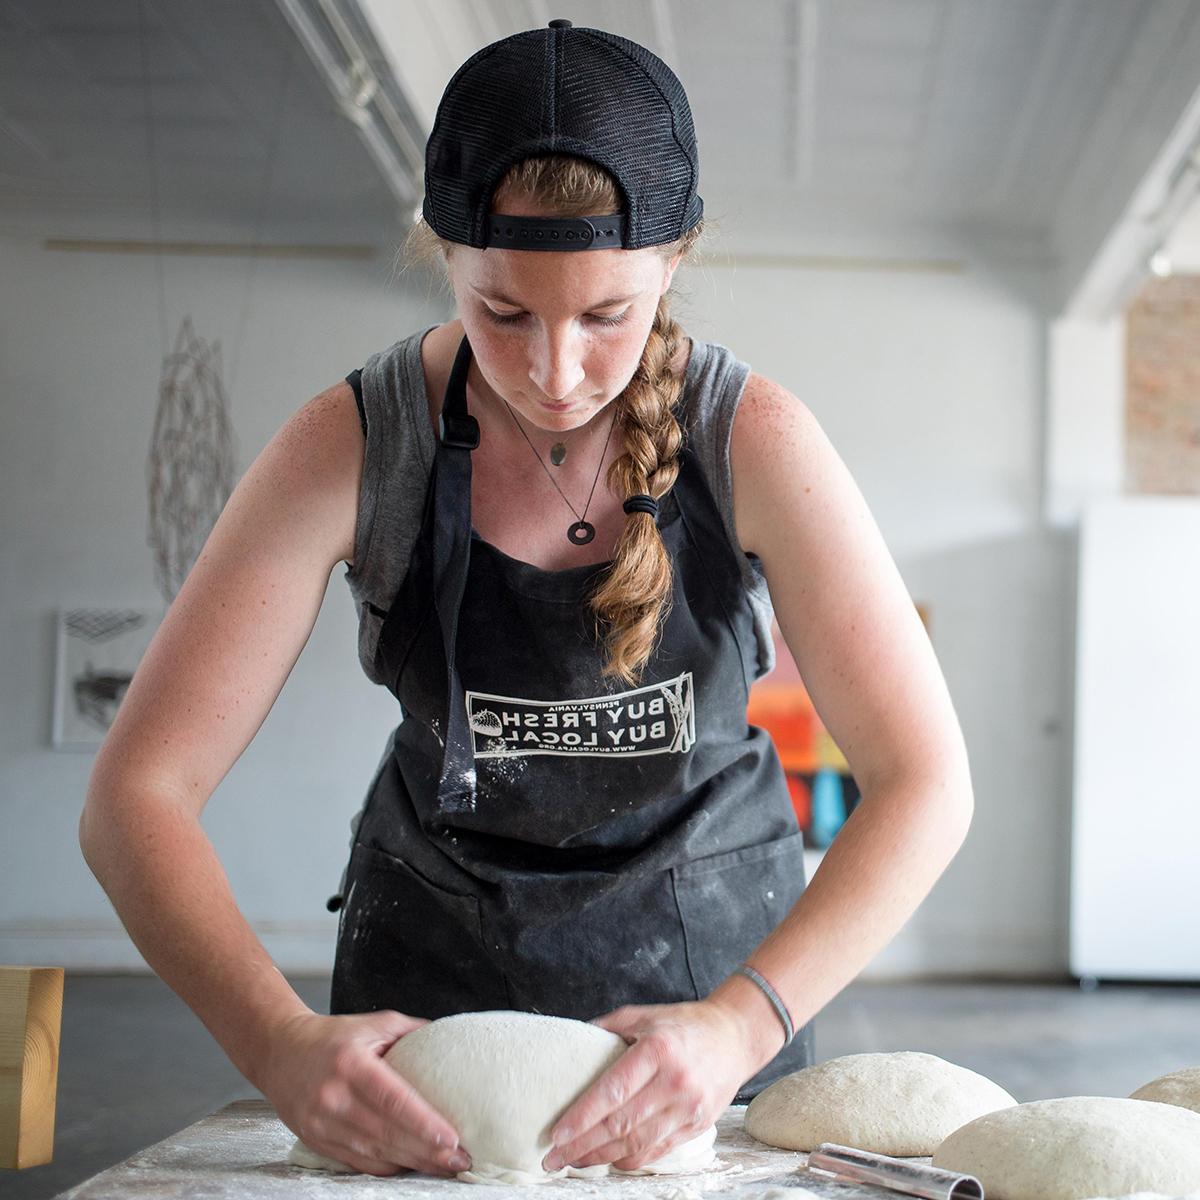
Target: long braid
633 597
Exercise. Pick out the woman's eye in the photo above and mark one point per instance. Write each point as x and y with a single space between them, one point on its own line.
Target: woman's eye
514 318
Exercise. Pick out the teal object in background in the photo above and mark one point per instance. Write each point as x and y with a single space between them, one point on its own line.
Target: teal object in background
828 806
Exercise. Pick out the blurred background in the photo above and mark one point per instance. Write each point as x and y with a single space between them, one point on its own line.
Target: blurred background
964 232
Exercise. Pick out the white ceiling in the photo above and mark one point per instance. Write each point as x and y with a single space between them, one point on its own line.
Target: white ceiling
942 111
245 131
997 118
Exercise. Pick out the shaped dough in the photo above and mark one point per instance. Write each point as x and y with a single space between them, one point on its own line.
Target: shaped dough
901 1103
502 1079
1078 1147
1179 1087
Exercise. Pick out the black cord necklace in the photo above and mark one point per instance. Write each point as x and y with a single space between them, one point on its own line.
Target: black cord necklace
583 530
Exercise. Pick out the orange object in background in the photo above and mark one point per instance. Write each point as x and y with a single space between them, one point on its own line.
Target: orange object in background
786 713
801 795
816 770
781 705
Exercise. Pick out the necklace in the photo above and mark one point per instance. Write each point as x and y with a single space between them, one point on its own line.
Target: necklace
583 530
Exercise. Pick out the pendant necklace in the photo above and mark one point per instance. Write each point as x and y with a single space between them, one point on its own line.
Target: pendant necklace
583 530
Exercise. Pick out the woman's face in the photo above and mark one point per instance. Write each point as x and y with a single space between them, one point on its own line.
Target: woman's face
558 334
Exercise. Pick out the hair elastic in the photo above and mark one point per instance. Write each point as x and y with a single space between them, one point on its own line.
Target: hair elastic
641 503
789 1030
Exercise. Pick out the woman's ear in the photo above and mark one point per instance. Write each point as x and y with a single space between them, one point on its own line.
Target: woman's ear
669 273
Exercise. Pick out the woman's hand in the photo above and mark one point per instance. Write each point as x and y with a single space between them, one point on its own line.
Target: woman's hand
684 1065
330 1086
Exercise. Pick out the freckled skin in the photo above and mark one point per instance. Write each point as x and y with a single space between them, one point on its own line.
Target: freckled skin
558 349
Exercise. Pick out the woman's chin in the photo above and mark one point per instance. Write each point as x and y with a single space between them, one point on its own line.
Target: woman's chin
558 418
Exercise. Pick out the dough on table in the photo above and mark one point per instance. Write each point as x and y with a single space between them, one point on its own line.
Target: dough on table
502 1079
1078 1147
1179 1087
901 1103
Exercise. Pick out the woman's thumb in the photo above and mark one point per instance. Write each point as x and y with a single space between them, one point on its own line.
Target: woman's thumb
390 1026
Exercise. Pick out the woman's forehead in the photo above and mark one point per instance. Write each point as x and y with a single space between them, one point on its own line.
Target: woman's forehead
588 276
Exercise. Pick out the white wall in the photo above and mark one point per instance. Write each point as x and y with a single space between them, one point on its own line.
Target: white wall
930 385
79 355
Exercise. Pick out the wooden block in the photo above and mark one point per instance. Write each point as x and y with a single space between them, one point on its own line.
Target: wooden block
30 1024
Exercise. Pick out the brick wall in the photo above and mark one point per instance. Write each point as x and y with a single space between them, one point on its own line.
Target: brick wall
1162 393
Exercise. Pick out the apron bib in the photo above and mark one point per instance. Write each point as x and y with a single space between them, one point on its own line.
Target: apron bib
539 838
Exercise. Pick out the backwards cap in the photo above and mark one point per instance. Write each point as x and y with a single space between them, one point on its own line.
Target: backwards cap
563 90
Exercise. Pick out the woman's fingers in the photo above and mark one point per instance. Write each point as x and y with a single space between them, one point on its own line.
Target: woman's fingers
405 1119
604 1113
649 1118
363 1139
639 1144
683 1129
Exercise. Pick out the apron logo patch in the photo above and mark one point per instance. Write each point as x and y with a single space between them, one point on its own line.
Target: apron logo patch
657 719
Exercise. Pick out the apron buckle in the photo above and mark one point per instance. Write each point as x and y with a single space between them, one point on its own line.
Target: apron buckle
460 431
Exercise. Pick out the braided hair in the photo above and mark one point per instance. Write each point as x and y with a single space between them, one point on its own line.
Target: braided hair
632 596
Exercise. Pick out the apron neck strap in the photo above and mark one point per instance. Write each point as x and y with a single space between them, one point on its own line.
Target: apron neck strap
456 427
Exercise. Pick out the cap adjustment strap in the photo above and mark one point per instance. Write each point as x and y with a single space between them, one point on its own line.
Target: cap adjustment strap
555 233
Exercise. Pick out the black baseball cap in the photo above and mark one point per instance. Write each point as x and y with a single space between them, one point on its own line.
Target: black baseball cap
563 90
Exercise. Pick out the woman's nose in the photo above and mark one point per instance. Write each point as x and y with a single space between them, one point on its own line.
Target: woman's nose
558 369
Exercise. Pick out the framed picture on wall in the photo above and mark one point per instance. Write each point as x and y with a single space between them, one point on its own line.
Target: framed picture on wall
98 650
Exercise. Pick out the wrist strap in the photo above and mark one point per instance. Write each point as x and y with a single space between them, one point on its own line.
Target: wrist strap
777 1004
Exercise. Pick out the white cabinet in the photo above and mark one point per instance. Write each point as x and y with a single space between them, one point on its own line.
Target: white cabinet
1135 869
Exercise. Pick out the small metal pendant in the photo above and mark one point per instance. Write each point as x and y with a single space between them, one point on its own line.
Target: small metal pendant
581 532
557 453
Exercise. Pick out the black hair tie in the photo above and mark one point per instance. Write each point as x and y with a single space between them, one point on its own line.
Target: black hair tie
642 503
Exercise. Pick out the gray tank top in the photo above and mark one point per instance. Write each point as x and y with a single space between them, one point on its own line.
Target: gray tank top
399 457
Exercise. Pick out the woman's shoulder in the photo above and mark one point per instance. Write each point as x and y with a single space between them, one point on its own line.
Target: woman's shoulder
395 384
726 395
780 460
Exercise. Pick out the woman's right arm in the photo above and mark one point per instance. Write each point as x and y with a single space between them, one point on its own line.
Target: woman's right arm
201 692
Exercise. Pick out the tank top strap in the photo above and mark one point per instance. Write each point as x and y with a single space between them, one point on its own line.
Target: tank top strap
354 379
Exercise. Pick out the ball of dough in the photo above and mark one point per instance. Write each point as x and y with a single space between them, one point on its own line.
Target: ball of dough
502 1079
1078 1147
1179 1087
901 1103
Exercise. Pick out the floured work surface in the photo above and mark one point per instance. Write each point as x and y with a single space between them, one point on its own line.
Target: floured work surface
241 1152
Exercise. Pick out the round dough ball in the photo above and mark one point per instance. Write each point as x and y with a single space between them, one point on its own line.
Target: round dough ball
1179 1087
901 1103
1078 1147
502 1079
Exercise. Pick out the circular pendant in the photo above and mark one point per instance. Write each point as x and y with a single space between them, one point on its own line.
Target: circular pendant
581 533
557 453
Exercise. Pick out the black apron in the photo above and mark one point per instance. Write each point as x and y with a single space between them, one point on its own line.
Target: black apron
539 838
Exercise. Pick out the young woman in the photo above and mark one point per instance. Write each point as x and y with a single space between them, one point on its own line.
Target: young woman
565 523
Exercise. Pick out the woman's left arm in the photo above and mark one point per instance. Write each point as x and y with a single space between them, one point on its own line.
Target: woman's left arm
871 672
870 669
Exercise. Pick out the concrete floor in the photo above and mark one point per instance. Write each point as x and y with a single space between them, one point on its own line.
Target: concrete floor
136 1065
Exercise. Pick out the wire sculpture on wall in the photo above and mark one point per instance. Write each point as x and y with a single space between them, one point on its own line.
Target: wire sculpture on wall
190 467
191 460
